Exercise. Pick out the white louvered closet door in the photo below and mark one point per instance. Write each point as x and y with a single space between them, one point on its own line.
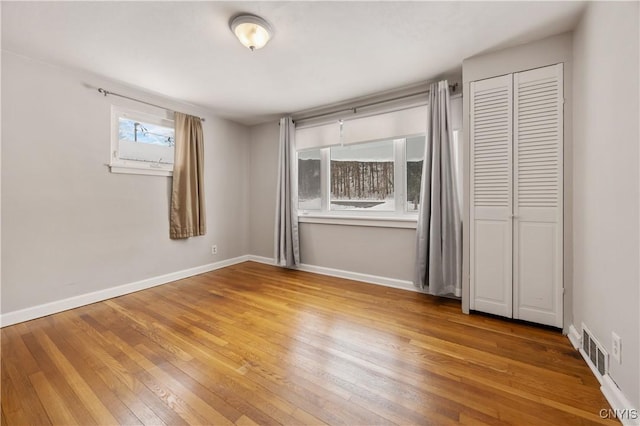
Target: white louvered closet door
491 114
538 195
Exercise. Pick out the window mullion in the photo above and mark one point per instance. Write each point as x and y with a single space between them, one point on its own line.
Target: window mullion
325 176
399 174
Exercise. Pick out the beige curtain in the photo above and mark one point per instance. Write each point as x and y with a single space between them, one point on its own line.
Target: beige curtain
187 216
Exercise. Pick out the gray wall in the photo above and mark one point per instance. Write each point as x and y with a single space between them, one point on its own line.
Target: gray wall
371 250
263 155
69 226
606 184
548 51
383 252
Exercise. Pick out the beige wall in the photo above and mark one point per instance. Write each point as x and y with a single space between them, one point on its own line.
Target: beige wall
544 52
69 226
606 188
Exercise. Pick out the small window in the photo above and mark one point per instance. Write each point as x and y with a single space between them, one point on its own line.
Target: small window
362 177
141 143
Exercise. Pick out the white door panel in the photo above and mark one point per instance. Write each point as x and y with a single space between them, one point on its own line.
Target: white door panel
491 195
492 267
536 272
538 187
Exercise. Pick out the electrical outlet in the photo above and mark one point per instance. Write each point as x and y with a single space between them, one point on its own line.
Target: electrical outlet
214 249
616 347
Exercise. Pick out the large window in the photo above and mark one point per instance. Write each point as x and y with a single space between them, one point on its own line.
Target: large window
366 169
379 178
141 143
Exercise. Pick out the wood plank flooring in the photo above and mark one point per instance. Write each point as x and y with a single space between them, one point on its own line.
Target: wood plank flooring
254 344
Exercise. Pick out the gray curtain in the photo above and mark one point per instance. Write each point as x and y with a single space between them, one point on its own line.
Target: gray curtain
439 232
187 215
287 246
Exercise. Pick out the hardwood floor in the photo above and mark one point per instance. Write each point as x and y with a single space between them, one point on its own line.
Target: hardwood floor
254 344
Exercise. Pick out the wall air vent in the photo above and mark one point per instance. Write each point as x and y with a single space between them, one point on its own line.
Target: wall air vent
594 352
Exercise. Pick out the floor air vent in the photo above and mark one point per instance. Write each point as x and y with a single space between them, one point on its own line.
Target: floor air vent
595 353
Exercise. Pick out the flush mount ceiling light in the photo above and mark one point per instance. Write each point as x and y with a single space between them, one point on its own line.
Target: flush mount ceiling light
252 31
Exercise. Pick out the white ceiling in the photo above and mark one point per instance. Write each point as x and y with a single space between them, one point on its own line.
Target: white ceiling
322 52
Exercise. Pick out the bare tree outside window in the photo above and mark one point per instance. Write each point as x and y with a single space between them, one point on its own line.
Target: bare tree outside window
362 176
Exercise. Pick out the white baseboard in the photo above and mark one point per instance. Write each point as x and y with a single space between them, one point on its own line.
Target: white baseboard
34 312
371 279
622 407
574 337
262 259
14 317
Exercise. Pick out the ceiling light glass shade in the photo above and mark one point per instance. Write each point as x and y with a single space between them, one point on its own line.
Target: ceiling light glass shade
252 31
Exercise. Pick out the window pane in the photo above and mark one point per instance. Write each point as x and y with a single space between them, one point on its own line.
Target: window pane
309 193
137 131
362 177
145 141
415 157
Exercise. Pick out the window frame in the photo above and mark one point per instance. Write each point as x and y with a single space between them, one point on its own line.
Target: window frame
401 217
127 166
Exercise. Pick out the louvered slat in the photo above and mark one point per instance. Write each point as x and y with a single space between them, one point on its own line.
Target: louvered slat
492 152
537 137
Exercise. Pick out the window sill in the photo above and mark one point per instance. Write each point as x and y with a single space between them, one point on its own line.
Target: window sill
140 170
375 221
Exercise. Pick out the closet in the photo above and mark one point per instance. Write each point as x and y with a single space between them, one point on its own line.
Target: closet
516 190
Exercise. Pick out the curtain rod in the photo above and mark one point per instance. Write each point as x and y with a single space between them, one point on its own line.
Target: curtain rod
107 92
355 109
